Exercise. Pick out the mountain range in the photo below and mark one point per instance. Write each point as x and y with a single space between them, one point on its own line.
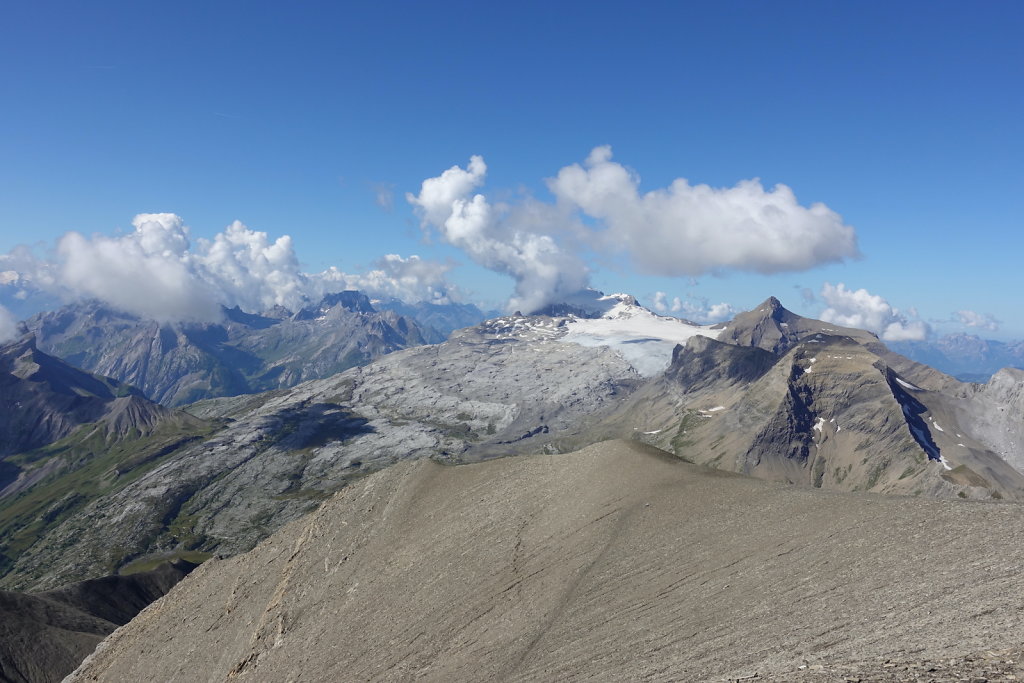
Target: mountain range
967 357
770 394
179 363
97 479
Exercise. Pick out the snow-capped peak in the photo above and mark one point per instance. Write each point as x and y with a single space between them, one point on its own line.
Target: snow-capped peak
642 337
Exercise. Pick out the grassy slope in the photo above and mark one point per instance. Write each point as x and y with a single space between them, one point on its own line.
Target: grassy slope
92 464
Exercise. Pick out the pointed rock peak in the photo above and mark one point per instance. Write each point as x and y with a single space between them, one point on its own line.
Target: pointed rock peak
772 327
772 308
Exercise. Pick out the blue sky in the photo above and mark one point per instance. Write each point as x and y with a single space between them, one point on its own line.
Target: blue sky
905 120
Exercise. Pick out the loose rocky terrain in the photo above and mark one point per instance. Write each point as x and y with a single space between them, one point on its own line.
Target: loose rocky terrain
618 562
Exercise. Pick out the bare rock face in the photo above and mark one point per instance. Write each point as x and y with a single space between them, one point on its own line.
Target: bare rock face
996 412
507 386
614 563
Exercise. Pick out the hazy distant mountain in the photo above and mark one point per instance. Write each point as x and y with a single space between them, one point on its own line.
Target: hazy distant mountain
965 356
437 320
176 364
770 394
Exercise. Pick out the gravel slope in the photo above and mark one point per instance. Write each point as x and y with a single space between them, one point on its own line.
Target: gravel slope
613 563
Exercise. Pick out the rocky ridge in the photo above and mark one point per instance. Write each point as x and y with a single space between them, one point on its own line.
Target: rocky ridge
619 562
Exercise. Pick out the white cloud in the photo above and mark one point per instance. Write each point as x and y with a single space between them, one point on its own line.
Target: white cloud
8 325
696 309
500 237
145 272
861 309
983 321
689 229
157 272
681 230
409 279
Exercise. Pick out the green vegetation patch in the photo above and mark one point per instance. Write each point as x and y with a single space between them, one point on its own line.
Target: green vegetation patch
146 564
684 438
89 464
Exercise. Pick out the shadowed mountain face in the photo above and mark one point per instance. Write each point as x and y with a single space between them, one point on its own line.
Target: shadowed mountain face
175 364
614 563
43 399
44 636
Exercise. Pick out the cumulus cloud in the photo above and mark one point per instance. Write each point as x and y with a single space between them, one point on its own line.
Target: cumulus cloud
861 309
982 321
408 279
681 230
689 229
696 309
500 237
158 272
8 325
146 272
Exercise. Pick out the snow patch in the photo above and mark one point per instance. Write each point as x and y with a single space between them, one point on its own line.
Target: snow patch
644 339
656 431
944 462
936 425
907 385
819 424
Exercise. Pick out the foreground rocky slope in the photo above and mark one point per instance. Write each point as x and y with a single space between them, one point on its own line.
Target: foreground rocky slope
615 563
44 636
175 364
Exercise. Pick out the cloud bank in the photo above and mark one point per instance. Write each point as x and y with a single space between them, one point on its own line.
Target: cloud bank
681 230
409 279
596 209
861 309
158 272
